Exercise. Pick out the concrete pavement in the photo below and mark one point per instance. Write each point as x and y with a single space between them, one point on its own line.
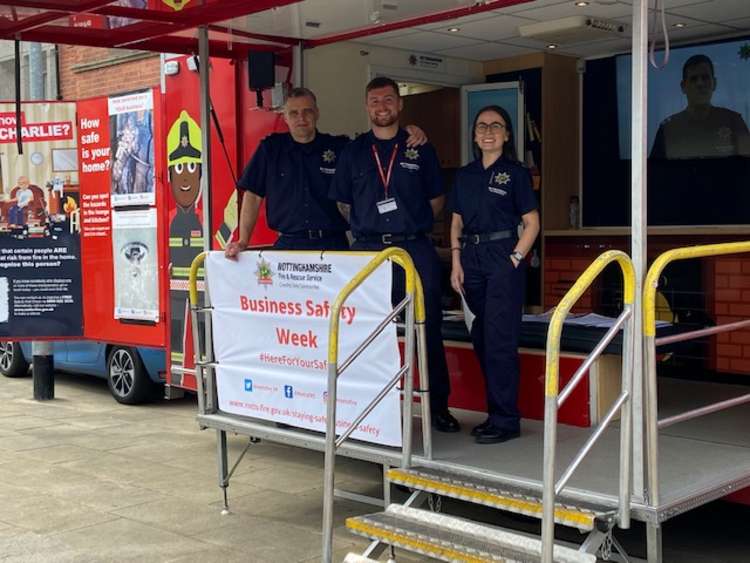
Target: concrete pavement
85 479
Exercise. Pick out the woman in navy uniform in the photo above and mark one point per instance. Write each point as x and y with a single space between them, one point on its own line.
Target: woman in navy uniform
492 195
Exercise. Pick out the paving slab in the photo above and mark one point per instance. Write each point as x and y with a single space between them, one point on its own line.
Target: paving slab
126 540
183 516
45 514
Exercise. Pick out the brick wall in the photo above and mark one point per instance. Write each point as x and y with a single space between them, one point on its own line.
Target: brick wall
565 260
731 303
87 72
726 284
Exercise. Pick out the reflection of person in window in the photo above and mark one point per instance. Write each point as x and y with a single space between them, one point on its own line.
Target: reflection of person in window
701 130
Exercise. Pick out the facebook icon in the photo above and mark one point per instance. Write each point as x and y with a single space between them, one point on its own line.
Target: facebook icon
288 391
248 385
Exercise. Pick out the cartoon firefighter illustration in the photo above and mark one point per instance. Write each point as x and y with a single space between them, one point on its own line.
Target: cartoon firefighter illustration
184 146
186 229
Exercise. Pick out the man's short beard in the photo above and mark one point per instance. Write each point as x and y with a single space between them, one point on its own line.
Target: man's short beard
385 121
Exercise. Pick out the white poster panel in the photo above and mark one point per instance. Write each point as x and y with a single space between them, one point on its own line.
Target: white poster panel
132 126
134 248
271 314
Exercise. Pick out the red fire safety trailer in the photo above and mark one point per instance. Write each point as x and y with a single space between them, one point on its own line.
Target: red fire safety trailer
169 217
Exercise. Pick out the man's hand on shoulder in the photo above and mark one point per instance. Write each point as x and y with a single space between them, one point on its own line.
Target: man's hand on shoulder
417 137
233 249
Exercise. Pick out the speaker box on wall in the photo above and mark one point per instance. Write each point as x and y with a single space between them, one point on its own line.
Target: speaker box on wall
261 69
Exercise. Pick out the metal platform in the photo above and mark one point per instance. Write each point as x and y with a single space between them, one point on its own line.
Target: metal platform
700 460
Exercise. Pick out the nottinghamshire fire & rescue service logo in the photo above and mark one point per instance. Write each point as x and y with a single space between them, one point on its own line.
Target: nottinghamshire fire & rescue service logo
264 273
411 154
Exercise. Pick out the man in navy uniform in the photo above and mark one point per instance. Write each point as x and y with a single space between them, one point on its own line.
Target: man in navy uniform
392 193
293 172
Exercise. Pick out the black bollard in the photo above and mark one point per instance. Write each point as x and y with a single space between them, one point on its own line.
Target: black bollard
43 371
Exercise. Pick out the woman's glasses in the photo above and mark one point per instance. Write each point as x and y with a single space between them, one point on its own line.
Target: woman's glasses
495 127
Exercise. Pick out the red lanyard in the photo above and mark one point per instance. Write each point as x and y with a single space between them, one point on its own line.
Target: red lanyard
385 177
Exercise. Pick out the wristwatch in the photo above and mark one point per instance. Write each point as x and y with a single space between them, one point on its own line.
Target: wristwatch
517 255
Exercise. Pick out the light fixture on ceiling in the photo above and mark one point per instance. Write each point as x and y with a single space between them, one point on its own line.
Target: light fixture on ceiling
581 4
454 29
679 25
551 46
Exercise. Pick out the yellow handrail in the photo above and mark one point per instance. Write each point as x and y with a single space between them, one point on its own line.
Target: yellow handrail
563 308
193 278
652 278
413 285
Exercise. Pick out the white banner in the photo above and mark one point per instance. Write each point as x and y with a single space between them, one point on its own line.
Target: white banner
270 336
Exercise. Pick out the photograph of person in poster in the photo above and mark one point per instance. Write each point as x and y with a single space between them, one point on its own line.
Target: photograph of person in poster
131 131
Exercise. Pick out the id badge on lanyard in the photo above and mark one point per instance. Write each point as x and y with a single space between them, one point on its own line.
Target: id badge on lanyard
387 204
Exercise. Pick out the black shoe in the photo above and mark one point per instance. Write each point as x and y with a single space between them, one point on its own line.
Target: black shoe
492 435
479 428
445 422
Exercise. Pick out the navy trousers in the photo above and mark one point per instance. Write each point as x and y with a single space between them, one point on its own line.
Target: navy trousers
427 263
332 242
494 291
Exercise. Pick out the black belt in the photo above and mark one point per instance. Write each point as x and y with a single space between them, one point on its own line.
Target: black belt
312 234
387 238
486 237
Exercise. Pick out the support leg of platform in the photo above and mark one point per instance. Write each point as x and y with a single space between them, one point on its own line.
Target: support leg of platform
653 542
386 486
222 460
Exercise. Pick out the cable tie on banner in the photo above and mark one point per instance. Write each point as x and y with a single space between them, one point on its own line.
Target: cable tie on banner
321 254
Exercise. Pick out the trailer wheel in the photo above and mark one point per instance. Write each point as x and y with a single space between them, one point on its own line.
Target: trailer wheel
128 380
12 362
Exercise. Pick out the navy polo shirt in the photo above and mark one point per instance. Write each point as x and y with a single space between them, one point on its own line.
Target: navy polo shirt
492 199
415 180
295 178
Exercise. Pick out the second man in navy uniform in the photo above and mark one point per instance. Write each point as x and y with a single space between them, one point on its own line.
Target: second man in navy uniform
392 193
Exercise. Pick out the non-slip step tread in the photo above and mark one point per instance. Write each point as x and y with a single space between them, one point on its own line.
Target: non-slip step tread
489 493
449 538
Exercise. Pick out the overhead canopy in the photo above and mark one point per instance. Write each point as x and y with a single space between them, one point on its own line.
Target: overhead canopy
236 26
471 29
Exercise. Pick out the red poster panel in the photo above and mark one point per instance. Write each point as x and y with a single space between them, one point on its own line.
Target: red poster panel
95 164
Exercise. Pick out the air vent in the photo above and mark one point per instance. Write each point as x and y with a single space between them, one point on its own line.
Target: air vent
574 29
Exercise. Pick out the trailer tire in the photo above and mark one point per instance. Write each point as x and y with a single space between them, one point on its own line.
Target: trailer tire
12 362
127 379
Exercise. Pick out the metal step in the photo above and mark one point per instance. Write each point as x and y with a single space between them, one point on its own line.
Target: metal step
489 493
447 538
